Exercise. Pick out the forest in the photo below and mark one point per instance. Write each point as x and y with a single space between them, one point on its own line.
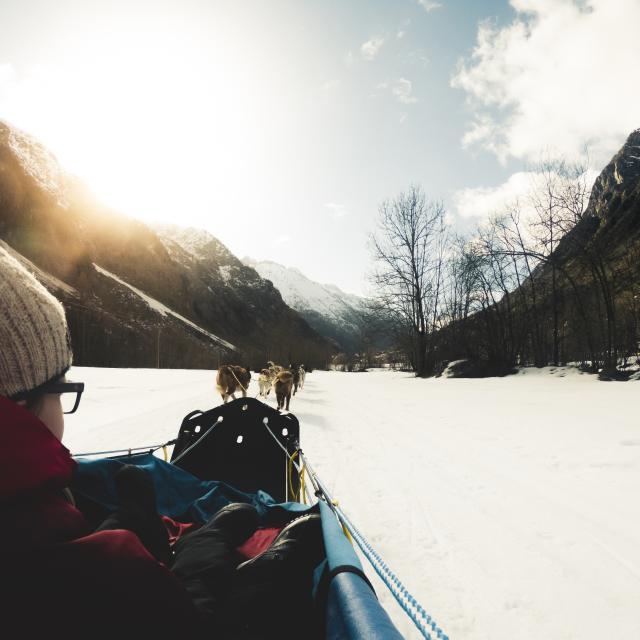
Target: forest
549 279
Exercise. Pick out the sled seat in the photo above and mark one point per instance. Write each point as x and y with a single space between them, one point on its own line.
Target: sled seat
231 444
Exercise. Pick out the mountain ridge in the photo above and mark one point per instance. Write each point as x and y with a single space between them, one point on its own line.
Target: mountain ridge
51 219
326 307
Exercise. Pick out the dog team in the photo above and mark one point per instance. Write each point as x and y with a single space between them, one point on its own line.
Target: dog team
232 379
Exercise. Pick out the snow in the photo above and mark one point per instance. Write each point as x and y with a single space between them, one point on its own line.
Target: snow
163 310
38 162
192 240
303 294
508 506
226 272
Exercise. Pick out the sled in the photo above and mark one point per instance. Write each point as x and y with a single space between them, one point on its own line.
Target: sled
247 451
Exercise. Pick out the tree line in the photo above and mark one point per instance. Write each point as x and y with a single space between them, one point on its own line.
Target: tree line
535 284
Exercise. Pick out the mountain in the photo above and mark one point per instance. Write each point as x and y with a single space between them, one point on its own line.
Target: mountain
330 311
134 297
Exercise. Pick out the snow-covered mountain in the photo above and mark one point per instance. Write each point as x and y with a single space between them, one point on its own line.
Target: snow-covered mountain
328 309
135 297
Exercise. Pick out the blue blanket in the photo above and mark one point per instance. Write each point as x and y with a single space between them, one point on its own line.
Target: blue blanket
180 495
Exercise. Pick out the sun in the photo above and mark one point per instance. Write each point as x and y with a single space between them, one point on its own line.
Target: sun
158 123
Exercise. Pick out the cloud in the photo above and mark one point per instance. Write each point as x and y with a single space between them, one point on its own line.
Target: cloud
402 29
417 56
561 76
482 201
336 210
429 5
370 48
349 59
402 89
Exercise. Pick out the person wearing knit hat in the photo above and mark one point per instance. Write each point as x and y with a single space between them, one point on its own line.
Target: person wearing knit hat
54 564
35 350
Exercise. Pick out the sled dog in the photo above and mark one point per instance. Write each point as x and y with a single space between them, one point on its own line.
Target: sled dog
282 385
232 378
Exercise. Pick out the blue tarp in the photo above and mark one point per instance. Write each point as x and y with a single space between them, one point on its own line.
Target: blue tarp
180 495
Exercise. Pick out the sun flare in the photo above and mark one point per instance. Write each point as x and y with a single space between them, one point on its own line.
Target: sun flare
156 124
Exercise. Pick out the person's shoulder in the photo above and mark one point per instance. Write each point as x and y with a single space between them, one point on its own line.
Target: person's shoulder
108 577
116 564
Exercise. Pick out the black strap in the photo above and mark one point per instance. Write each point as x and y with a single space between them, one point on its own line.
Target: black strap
349 568
322 592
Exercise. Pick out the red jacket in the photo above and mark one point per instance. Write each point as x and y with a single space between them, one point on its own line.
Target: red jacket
57 576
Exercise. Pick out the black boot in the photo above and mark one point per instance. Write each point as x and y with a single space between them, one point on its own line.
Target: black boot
279 579
229 528
299 544
205 560
137 511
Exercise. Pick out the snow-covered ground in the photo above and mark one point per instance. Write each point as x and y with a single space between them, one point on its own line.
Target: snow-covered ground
510 507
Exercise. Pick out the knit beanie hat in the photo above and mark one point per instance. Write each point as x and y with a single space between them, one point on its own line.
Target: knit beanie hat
34 340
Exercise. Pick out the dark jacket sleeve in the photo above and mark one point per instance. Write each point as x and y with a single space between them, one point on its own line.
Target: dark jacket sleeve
104 581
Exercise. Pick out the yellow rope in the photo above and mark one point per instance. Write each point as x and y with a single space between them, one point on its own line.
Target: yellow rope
344 529
164 452
303 491
300 495
290 476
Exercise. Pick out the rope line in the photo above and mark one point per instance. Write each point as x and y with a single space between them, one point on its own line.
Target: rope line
300 494
200 439
423 621
265 422
129 450
233 373
419 616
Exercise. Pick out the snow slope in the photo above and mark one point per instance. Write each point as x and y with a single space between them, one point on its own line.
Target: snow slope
162 309
508 506
303 294
328 309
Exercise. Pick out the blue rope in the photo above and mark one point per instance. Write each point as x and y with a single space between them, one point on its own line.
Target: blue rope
411 606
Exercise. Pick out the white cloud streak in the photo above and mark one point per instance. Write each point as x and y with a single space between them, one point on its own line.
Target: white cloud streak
429 5
370 48
401 89
560 77
481 202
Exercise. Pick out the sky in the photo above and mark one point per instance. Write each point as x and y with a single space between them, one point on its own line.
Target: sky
280 126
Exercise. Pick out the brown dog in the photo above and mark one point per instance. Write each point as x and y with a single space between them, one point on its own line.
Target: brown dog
282 385
230 379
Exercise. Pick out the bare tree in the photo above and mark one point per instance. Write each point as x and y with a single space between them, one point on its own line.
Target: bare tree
559 197
409 249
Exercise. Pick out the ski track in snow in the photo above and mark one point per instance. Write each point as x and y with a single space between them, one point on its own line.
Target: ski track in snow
507 506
